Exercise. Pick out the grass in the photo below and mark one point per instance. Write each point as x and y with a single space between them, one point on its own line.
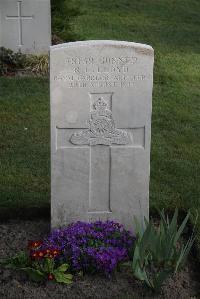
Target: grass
173 29
24 146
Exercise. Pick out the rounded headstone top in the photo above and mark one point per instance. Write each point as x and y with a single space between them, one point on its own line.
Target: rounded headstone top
146 49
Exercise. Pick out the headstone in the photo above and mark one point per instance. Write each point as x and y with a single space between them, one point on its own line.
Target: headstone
25 25
101 101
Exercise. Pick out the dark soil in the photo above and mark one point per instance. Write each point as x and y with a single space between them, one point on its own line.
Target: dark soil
14 236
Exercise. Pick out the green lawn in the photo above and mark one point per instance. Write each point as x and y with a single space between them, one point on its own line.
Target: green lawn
24 146
173 29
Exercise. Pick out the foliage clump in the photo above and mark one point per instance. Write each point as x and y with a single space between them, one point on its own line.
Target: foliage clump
78 248
38 64
158 251
41 264
93 247
101 246
12 63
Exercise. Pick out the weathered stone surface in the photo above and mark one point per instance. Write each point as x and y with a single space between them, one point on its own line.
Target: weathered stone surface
101 101
25 25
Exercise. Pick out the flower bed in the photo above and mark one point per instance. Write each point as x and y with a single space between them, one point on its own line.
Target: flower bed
13 284
98 246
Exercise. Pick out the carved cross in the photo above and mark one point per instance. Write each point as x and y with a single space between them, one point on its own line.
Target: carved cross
19 17
101 138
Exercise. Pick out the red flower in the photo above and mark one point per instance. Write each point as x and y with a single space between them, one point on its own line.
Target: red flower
50 276
55 252
34 244
41 254
51 252
34 254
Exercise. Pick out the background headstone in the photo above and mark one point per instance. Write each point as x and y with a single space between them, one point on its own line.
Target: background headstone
25 25
101 101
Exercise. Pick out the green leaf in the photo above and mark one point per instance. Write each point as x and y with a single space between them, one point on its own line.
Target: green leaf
126 264
49 265
141 275
181 228
139 228
18 261
136 257
160 277
156 253
184 253
5 261
173 224
33 274
63 268
63 278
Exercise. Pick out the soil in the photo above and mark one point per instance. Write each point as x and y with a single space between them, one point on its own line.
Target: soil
14 236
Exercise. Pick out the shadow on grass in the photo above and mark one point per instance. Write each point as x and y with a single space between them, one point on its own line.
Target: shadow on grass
24 213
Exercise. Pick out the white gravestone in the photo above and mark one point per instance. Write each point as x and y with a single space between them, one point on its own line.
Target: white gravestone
25 25
101 101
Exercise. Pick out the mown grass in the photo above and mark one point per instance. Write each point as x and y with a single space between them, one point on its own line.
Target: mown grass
24 146
173 29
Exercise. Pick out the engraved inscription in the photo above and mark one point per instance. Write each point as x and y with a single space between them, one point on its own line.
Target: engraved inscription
100 72
101 128
101 60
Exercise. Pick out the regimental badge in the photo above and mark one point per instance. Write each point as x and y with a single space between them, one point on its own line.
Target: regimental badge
102 128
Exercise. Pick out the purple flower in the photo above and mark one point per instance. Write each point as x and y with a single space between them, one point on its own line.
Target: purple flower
98 246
